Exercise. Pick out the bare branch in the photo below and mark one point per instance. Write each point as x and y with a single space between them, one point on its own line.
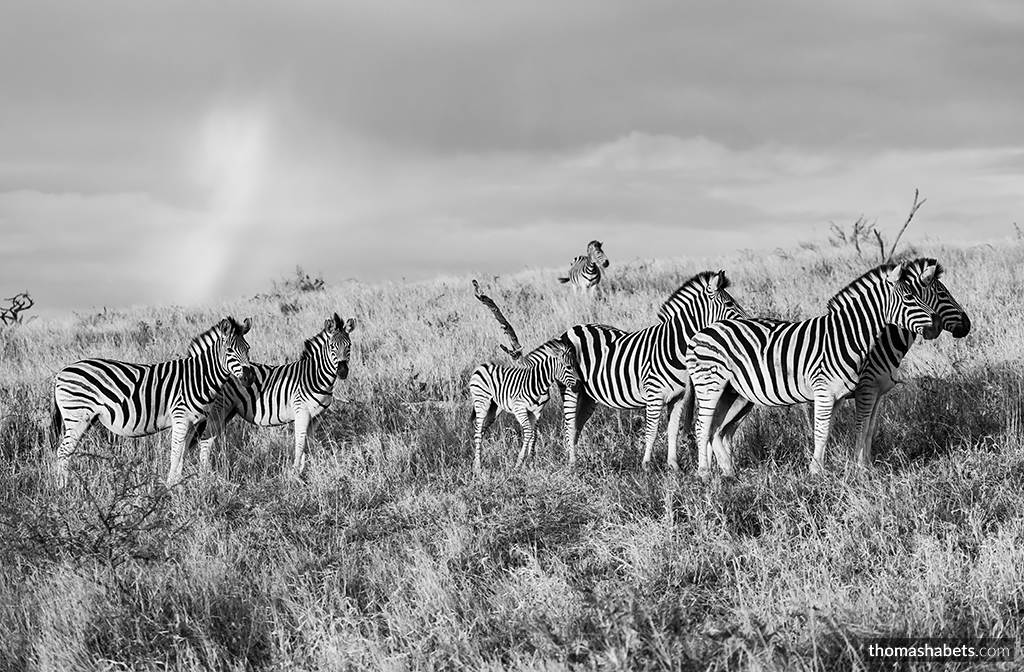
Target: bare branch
517 350
19 303
913 209
881 245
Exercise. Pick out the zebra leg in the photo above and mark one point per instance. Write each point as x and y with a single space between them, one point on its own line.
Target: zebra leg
301 429
823 405
707 402
867 400
677 408
484 416
732 408
526 422
576 410
181 434
74 428
651 429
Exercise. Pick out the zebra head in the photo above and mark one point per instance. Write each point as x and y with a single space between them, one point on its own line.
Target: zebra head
596 254
567 370
339 345
925 275
905 307
234 350
701 300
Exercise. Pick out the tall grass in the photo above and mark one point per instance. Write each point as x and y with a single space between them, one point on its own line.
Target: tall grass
392 554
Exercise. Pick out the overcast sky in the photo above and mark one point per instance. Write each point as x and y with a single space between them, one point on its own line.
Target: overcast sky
193 151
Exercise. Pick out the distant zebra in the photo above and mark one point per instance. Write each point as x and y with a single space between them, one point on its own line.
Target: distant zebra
296 392
736 363
140 399
644 369
585 272
521 389
876 376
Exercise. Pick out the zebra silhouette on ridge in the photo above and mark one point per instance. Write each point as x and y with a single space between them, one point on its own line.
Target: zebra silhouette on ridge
296 392
734 364
876 376
585 272
141 399
645 369
521 389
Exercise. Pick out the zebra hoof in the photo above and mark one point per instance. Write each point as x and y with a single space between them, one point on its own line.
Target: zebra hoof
704 475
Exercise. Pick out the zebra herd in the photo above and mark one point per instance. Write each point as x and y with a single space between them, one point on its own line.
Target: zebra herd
707 354
706 360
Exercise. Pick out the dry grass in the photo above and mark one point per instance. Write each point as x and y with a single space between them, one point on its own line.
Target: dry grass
393 555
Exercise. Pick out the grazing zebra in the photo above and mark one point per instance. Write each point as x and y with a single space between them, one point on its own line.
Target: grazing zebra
737 363
296 392
585 271
521 389
142 399
644 369
876 376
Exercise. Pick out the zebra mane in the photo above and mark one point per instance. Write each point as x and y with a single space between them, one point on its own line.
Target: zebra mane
203 341
671 306
919 264
310 345
544 350
871 277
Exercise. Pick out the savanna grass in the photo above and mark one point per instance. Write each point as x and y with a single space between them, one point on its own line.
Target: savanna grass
392 554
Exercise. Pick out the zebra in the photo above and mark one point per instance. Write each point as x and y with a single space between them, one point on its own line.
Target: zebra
521 389
295 392
644 369
141 399
876 376
585 272
735 364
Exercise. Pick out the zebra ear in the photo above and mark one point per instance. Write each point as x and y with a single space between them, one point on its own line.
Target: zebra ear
330 324
716 281
928 275
895 274
350 325
247 325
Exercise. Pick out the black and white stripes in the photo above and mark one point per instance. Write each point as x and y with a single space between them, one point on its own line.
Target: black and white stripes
736 363
585 272
521 389
140 399
295 392
645 369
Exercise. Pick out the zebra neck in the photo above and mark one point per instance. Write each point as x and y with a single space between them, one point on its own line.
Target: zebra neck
317 370
208 374
857 327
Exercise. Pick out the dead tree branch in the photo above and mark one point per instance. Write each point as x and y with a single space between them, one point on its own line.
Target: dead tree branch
19 303
517 350
913 209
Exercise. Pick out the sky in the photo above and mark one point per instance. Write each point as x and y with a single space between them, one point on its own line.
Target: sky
192 152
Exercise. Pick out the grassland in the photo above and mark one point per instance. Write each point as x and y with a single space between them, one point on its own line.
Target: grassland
392 554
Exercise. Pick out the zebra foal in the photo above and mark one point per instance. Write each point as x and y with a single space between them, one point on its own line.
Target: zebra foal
296 392
141 399
521 389
734 364
645 369
585 272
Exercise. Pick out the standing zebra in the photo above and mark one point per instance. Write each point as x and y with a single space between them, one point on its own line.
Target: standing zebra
141 399
296 392
585 272
737 363
876 376
644 369
521 389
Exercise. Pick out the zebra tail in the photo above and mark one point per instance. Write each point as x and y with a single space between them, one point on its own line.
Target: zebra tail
563 280
56 423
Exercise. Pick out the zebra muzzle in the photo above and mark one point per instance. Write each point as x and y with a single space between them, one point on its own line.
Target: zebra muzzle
963 329
342 370
247 376
932 330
